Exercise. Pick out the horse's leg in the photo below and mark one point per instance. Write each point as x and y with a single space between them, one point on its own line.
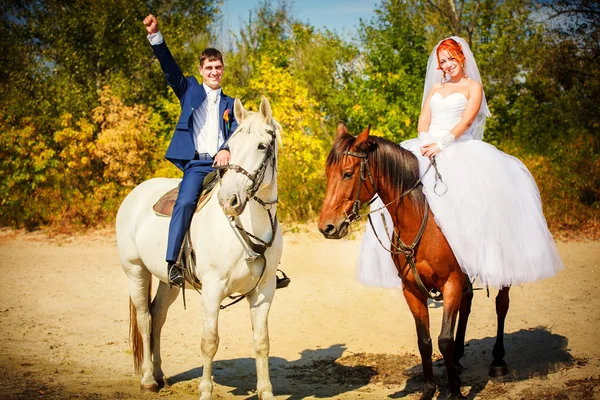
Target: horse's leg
452 300
260 304
419 310
165 296
211 301
463 318
139 285
499 367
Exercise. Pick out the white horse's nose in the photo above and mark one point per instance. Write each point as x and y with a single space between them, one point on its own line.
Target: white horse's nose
233 201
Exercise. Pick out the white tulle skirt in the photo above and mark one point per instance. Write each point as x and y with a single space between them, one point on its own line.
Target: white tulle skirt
491 215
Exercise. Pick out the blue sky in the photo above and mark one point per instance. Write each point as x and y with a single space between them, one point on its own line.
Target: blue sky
343 16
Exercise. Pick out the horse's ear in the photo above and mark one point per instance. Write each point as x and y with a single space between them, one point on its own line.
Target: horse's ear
341 129
239 111
363 137
265 110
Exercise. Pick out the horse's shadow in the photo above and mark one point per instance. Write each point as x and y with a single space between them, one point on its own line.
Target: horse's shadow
314 374
530 353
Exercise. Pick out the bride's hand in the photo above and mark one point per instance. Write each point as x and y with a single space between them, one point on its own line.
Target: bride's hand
429 150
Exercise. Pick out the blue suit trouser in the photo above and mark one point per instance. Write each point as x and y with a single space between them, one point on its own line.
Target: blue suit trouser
194 173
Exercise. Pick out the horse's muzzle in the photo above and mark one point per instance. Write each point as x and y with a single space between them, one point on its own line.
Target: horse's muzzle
232 206
330 231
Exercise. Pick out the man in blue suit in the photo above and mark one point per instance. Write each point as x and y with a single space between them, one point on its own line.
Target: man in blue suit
205 124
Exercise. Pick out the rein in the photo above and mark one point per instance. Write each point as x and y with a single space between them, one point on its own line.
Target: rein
251 242
399 246
364 167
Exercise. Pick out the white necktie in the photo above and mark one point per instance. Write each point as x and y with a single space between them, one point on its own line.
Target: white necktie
212 122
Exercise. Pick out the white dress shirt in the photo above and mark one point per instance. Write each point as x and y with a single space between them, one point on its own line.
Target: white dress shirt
201 128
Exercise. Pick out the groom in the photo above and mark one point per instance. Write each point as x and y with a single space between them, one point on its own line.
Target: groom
205 124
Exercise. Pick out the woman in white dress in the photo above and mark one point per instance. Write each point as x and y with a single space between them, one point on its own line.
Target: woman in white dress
488 205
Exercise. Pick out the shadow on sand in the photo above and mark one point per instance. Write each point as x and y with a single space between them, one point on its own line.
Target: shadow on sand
322 373
535 352
316 373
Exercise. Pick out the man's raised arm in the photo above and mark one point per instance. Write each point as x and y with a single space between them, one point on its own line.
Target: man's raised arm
174 76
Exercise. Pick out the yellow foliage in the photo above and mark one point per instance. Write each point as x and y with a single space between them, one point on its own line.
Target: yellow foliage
302 159
76 141
126 143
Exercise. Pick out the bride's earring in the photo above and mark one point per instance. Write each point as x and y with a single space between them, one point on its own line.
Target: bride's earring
443 77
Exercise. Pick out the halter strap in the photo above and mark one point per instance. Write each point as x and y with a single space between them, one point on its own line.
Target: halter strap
257 177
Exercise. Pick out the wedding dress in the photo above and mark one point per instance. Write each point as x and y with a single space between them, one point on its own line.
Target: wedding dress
491 212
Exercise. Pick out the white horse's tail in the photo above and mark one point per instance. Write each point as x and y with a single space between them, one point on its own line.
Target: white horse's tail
135 337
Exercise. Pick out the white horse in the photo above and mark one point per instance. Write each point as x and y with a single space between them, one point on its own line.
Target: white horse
227 259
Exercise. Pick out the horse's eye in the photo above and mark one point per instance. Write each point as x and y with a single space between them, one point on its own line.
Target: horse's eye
262 146
348 174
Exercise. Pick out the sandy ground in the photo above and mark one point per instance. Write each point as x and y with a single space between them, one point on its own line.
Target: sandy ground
64 329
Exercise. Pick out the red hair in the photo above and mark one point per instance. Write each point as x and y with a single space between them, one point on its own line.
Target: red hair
453 48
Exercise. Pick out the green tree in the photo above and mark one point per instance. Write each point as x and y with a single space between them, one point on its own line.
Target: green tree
386 90
60 55
301 71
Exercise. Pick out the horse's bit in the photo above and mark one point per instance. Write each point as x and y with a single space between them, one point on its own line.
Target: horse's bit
397 244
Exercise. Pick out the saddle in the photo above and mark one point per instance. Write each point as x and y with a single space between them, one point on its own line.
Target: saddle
164 205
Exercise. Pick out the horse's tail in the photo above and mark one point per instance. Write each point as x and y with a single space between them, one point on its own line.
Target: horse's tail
135 337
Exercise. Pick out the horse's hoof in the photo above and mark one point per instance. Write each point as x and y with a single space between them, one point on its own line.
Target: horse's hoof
266 396
428 392
163 383
153 388
498 370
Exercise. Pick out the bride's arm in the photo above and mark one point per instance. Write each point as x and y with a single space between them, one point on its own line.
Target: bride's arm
425 117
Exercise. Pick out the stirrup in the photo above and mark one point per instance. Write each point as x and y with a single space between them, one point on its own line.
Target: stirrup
282 282
177 281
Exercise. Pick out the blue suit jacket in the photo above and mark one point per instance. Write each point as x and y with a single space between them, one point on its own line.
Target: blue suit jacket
191 94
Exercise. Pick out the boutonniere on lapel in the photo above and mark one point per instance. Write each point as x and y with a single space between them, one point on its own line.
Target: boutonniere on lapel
226 118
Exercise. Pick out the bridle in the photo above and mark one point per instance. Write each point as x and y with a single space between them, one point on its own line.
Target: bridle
365 171
251 242
257 177
398 246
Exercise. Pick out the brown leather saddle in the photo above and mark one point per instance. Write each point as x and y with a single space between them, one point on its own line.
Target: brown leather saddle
164 205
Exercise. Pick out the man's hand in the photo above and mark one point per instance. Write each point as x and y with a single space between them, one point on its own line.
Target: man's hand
222 158
151 24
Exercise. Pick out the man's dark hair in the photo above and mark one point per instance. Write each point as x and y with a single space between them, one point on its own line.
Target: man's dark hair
211 54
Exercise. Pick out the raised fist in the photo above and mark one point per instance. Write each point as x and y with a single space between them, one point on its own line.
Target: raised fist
151 24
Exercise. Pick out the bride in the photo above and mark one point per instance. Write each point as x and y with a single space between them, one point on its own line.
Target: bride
488 204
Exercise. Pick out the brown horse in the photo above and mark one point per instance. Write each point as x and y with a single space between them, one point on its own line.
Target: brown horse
357 170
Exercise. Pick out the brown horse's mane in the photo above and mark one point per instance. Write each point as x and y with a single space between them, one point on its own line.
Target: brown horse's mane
393 167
